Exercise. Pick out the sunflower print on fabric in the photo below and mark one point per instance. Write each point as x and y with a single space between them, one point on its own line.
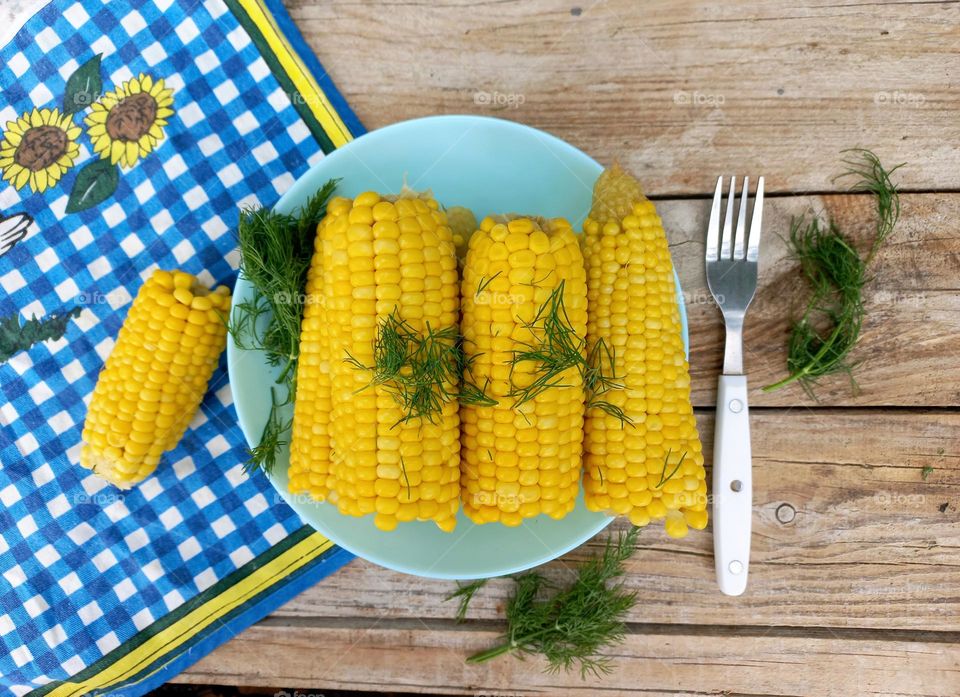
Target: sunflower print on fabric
38 149
127 124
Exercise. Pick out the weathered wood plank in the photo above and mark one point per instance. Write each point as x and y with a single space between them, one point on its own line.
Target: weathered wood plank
909 349
868 544
422 659
679 91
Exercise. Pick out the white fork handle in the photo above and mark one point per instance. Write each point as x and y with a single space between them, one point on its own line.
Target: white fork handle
732 486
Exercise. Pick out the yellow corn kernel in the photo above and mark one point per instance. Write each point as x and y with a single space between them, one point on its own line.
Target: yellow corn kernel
145 397
310 449
462 223
519 460
696 519
634 312
375 258
675 524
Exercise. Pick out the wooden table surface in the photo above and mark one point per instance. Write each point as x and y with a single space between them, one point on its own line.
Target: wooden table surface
855 576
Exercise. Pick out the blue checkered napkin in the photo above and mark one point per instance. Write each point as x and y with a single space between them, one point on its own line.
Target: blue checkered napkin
86 570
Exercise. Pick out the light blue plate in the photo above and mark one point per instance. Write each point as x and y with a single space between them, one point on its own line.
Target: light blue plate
490 166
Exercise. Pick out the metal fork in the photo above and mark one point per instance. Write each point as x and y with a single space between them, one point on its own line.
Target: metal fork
731 261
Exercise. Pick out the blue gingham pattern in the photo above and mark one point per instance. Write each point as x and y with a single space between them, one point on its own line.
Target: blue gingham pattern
83 566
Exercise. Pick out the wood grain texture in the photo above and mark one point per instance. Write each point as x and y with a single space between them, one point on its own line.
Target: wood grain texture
422 659
909 352
679 91
865 543
854 584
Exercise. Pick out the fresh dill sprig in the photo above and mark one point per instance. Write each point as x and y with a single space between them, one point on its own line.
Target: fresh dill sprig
664 477
403 468
421 371
263 456
471 394
485 283
465 593
557 349
571 627
475 396
821 341
535 283
824 336
874 179
276 250
275 254
599 377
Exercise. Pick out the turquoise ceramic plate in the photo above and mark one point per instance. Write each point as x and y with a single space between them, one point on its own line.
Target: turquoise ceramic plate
490 166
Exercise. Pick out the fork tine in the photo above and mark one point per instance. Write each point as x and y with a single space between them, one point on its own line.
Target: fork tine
740 239
725 243
713 227
753 246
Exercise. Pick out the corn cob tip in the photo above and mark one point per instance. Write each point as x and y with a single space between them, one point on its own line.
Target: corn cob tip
615 193
406 192
105 467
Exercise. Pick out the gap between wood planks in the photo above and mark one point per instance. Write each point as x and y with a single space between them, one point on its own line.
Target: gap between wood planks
654 629
846 409
424 659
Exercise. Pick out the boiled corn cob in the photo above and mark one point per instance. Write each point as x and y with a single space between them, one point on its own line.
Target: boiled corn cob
383 284
311 453
652 469
155 377
523 294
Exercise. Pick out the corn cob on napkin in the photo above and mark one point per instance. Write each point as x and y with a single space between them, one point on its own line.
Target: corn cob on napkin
130 133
